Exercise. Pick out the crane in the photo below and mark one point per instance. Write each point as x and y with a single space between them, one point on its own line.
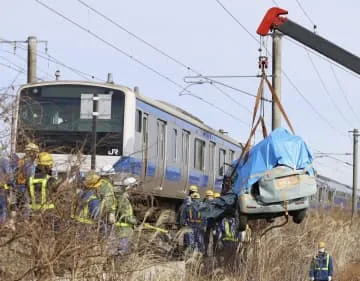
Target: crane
274 19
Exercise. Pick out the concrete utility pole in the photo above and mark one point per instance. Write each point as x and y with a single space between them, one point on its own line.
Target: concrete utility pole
276 77
32 52
355 173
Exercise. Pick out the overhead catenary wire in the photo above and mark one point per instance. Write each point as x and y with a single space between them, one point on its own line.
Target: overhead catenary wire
116 48
297 90
342 91
326 90
46 56
160 51
332 64
305 13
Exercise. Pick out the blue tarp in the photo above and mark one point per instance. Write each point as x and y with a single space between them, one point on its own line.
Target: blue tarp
279 148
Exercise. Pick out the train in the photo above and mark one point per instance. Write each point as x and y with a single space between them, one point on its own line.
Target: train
164 146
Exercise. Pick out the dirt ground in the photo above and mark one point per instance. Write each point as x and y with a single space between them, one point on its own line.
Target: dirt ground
350 273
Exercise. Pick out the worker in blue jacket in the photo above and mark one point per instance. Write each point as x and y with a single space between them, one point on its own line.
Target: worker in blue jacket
321 268
6 182
192 217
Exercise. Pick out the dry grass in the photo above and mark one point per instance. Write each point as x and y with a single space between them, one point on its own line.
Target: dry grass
35 252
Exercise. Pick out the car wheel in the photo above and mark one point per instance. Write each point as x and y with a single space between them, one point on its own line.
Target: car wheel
243 220
299 216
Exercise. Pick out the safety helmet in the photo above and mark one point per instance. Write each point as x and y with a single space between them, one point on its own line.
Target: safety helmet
107 170
195 195
217 195
45 159
92 180
193 188
321 245
209 193
32 147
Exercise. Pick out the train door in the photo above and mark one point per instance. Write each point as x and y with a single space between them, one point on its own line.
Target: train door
185 155
161 151
145 146
211 164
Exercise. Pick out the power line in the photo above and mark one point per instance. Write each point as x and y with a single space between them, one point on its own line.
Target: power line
285 74
326 89
305 13
236 20
158 50
46 56
116 48
331 64
344 93
138 37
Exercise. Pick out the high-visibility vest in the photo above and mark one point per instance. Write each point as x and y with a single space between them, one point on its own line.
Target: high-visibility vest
230 234
124 224
43 196
194 217
83 215
326 267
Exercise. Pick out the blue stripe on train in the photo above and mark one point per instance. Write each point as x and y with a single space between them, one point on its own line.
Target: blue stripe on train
198 178
173 173
127 164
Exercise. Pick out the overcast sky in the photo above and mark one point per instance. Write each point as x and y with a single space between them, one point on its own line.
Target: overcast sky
201 35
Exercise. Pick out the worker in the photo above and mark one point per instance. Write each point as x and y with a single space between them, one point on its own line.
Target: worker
42 185
87 205
6 182
187 200
209 195
108 200
120 238
228 240
25 169
321 268
195 237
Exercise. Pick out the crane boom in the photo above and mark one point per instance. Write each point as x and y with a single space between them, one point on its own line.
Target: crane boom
274 19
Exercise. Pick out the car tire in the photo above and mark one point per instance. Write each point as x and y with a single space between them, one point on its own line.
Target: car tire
299 216
243 220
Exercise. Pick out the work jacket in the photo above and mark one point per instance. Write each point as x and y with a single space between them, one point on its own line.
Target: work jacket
321 267
40 187
87 209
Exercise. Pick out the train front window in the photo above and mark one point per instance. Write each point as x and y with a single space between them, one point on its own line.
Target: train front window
61 116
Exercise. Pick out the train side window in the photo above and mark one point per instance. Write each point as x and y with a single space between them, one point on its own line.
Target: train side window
174 144
138 118
199 155
185 146
145 129
161 133
320 194
222 158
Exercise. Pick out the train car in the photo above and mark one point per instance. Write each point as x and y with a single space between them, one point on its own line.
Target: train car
167 148
332 193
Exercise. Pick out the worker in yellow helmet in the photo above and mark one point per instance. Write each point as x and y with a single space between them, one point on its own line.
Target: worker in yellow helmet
194 240
42 186
216 195
105 192
187 201
87 207
321 268
24 168
209 195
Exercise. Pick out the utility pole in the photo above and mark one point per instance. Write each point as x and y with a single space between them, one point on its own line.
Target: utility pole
276 77
31 59
95 114
355 173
